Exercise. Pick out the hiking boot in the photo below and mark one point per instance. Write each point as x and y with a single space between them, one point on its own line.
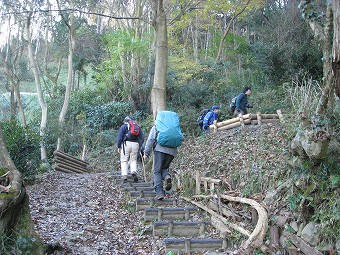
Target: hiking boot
159 196
168 184
135 178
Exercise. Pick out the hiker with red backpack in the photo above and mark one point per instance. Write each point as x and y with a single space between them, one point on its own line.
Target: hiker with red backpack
164 138
130 139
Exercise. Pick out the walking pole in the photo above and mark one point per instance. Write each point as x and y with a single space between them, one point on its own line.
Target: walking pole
141 155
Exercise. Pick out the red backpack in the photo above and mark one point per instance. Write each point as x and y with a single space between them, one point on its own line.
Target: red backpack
133 130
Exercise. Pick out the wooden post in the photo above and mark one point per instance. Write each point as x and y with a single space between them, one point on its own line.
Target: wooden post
241 122
258 118
215 126
187 246
279 113
198 183
170 228
160 214
212 188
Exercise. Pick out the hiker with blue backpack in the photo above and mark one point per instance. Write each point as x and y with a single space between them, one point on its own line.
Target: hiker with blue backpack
130 139
241 103
210 117
164 139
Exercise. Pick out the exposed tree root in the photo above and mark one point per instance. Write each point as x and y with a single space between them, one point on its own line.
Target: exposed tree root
255 239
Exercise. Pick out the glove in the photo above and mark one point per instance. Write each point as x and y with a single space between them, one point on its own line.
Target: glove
249 106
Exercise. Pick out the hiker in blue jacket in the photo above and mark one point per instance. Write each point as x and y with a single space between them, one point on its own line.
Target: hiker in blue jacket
210 117
242 102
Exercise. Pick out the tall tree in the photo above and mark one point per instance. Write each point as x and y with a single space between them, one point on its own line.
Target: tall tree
37 79
71 41
158 92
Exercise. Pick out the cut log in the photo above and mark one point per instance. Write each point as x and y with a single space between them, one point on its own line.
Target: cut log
269 116
63 170
233 120
70 158
71 168
230 126
255 122
70 165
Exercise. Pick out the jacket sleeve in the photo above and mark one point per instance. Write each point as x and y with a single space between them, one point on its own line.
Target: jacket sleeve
206 119
121 134
238 100
150 141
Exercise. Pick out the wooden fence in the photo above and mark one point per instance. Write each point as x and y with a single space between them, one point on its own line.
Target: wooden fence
247 119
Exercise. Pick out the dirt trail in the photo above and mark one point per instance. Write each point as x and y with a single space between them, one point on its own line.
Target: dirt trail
87 215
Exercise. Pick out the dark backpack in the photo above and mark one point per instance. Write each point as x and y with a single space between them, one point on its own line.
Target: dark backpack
232 104
133 130
201 117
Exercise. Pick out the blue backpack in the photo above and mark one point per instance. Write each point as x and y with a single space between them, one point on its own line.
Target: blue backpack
168 128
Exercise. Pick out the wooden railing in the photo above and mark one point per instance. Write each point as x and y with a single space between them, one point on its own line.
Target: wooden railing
247 119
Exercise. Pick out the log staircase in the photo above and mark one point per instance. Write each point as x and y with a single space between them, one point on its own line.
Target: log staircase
173 221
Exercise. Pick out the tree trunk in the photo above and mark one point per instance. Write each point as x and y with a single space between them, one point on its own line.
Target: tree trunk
336 45
15 216
158 93
312 140
71 42
234 17
42 102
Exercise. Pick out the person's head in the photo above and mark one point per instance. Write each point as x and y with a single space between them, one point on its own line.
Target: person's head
215 108
127 119
247 91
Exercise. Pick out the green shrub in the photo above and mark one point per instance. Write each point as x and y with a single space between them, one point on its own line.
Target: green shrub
23 146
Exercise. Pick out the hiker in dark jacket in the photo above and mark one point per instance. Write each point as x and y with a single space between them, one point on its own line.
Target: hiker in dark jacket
242 102
210 117
128 149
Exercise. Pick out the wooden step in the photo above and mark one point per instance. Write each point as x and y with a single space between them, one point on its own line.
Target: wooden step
142 203
180 229
194 245
134 188
160 214
143 194
137 184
